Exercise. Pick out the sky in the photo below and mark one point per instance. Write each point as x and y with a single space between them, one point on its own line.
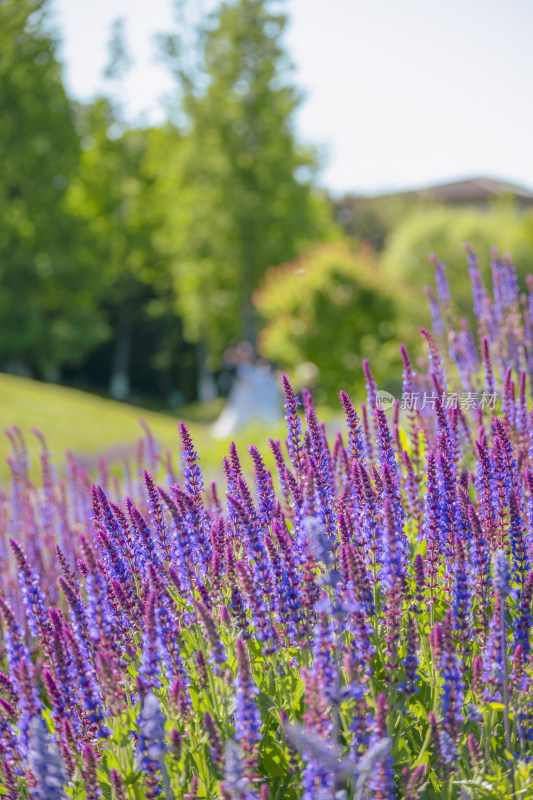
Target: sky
398 93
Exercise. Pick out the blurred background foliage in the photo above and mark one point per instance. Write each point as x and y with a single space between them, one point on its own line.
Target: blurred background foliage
49 302
443 230
131 257
330 308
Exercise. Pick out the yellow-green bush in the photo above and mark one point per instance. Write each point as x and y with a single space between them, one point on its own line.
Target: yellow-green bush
329 309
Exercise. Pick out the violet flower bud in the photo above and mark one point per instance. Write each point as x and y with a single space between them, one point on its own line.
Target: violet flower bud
118 787
501 573
175 743
45 763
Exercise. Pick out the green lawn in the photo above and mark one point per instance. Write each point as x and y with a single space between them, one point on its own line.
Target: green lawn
89 425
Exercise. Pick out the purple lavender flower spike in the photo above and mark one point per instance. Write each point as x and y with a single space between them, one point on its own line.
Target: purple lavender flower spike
117 785
89 692
441 279
99 616
282 470
435 361
294 426
522 622
448 747
461 592
385 444
317 777
487 366
115 563
320 461
519 551
501 573
145 549
511 465
453 688
437 322
485 487
253 541
149 669
369 447
265 489
323 649
478 290
508 400
431 524
152 746
15 648
213 736
264 630
371 390
247 716
528 323
158 516
32 594
511 290
236 785
380 766
45 763
194 483
522 414
236 603
480 557
195 524
91 784
393 579
356 448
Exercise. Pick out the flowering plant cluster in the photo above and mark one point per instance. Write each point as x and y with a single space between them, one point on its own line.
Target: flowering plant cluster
355 625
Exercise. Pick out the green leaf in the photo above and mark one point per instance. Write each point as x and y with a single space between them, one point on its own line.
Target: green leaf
273 759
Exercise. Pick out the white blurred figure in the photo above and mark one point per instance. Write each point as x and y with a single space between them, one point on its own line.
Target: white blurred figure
255 395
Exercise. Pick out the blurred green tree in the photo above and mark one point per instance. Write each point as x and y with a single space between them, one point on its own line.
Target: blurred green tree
324 313
247 192
48 302
122 195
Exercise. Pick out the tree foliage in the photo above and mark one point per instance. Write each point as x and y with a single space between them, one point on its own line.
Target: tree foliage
248 183
328 308
122 194
48 303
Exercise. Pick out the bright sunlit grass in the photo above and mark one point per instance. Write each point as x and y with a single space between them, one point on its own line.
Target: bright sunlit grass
90 426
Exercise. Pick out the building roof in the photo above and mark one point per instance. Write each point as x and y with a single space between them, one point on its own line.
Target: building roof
469 190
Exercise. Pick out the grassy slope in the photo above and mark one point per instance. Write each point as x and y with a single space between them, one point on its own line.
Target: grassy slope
89 425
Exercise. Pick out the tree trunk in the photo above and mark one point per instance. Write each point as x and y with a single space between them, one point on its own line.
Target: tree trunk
119 383
248 331
207 389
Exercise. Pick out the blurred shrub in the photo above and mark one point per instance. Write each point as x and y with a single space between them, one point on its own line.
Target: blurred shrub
324 313
442 230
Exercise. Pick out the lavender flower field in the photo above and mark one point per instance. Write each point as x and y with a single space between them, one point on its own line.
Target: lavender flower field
356 625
